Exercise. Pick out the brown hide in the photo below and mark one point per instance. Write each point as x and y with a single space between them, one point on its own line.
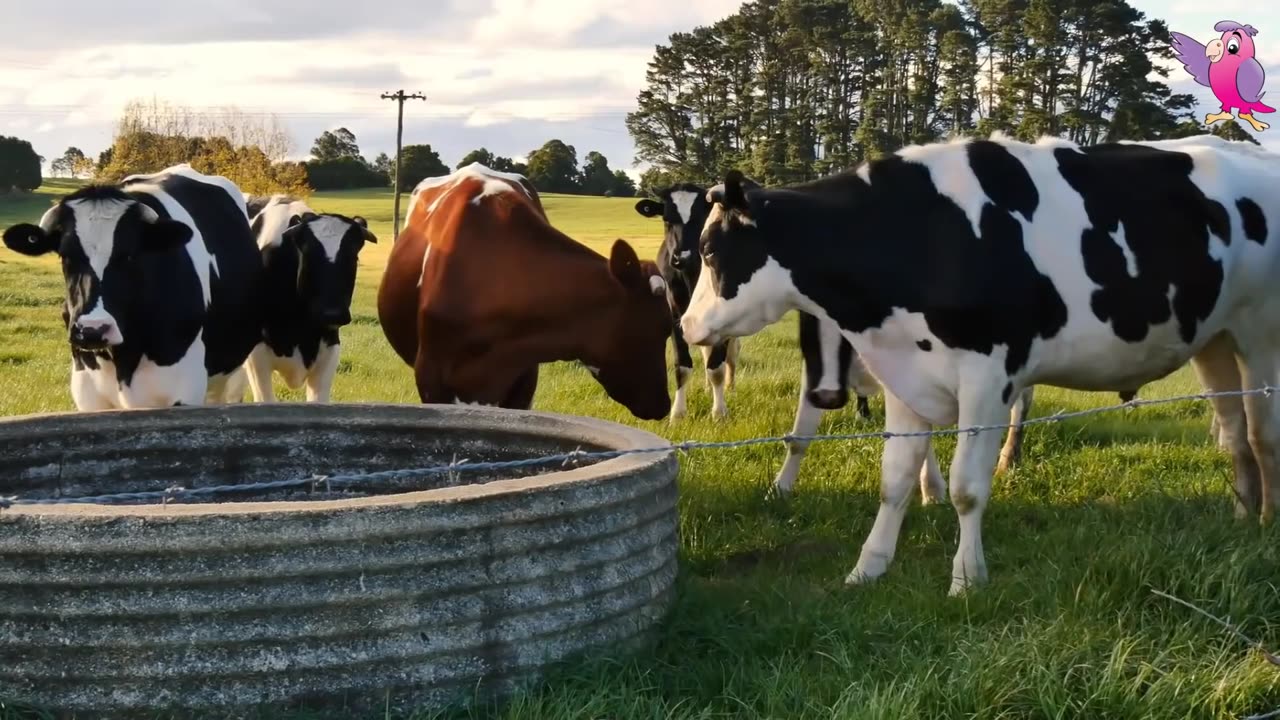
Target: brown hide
502 291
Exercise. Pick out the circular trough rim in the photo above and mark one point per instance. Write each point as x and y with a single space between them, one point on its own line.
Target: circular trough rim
480 418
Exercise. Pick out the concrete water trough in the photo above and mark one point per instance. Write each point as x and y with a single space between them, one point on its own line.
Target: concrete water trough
410 593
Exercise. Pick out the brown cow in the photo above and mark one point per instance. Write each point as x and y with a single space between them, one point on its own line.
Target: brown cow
480 289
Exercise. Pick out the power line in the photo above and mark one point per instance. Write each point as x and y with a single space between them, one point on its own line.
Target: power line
399 96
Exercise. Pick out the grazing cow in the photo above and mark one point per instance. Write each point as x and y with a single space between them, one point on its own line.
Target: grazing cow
683 209
309 261
480 289
830 366
963 272
163 282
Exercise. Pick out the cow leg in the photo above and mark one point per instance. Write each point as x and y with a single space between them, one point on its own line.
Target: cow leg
258 368
981 403
320 376
684 368
820 390
1260 366
1011 453
85 393
521 395
731 362
933 487
714 358
235 385
863 383
1216 366
899 470
864 407
808 418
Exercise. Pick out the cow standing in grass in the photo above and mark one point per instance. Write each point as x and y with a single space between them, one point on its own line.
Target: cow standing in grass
480 290
683 208
309 260
964 272
163 281
830 367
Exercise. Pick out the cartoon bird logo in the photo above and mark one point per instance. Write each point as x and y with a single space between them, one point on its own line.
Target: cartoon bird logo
1228 67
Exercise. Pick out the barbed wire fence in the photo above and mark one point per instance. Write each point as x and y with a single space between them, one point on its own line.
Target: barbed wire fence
348 480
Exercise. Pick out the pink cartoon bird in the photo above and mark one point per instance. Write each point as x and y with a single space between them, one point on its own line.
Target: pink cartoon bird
1228 67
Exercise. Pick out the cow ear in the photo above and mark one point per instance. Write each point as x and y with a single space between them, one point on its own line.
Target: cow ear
164 234
649 208
30 240
735 195
363 224
625 266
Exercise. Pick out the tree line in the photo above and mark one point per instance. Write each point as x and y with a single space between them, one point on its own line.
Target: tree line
336 163
252 151
790 90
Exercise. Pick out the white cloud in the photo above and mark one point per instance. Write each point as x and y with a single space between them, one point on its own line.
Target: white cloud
506 74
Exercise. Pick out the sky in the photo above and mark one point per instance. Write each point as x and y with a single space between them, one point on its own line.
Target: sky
504 74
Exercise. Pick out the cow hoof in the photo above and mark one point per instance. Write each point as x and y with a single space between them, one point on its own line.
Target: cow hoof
858 578
720 414
961 587
778 491
869 568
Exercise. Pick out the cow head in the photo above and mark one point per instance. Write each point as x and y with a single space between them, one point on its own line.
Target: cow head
629 358
683 209
101 234
742 288
328 248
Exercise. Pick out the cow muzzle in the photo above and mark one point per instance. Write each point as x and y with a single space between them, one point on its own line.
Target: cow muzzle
95 334
696 332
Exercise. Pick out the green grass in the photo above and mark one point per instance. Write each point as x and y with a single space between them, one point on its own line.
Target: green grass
1100 513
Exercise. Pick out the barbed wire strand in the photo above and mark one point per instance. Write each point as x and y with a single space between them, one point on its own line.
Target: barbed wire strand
176 493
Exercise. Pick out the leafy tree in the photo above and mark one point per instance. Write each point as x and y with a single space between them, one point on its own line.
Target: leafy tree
418 162
249 150
491 161
597 178
384 165
19 165
481 155
72 163
788 90
1233 130
104 159
623 185
335 145
554 168
344 173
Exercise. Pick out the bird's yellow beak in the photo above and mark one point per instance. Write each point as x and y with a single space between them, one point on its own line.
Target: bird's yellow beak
1213 51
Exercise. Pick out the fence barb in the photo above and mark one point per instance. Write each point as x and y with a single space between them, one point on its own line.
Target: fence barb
175 494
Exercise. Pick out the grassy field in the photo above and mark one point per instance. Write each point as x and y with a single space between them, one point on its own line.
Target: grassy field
1101 513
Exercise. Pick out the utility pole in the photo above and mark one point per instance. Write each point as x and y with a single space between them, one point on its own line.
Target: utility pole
399 96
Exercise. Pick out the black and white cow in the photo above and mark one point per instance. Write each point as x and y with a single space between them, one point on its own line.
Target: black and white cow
830 367
162 276
683 208
310 263
963 272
